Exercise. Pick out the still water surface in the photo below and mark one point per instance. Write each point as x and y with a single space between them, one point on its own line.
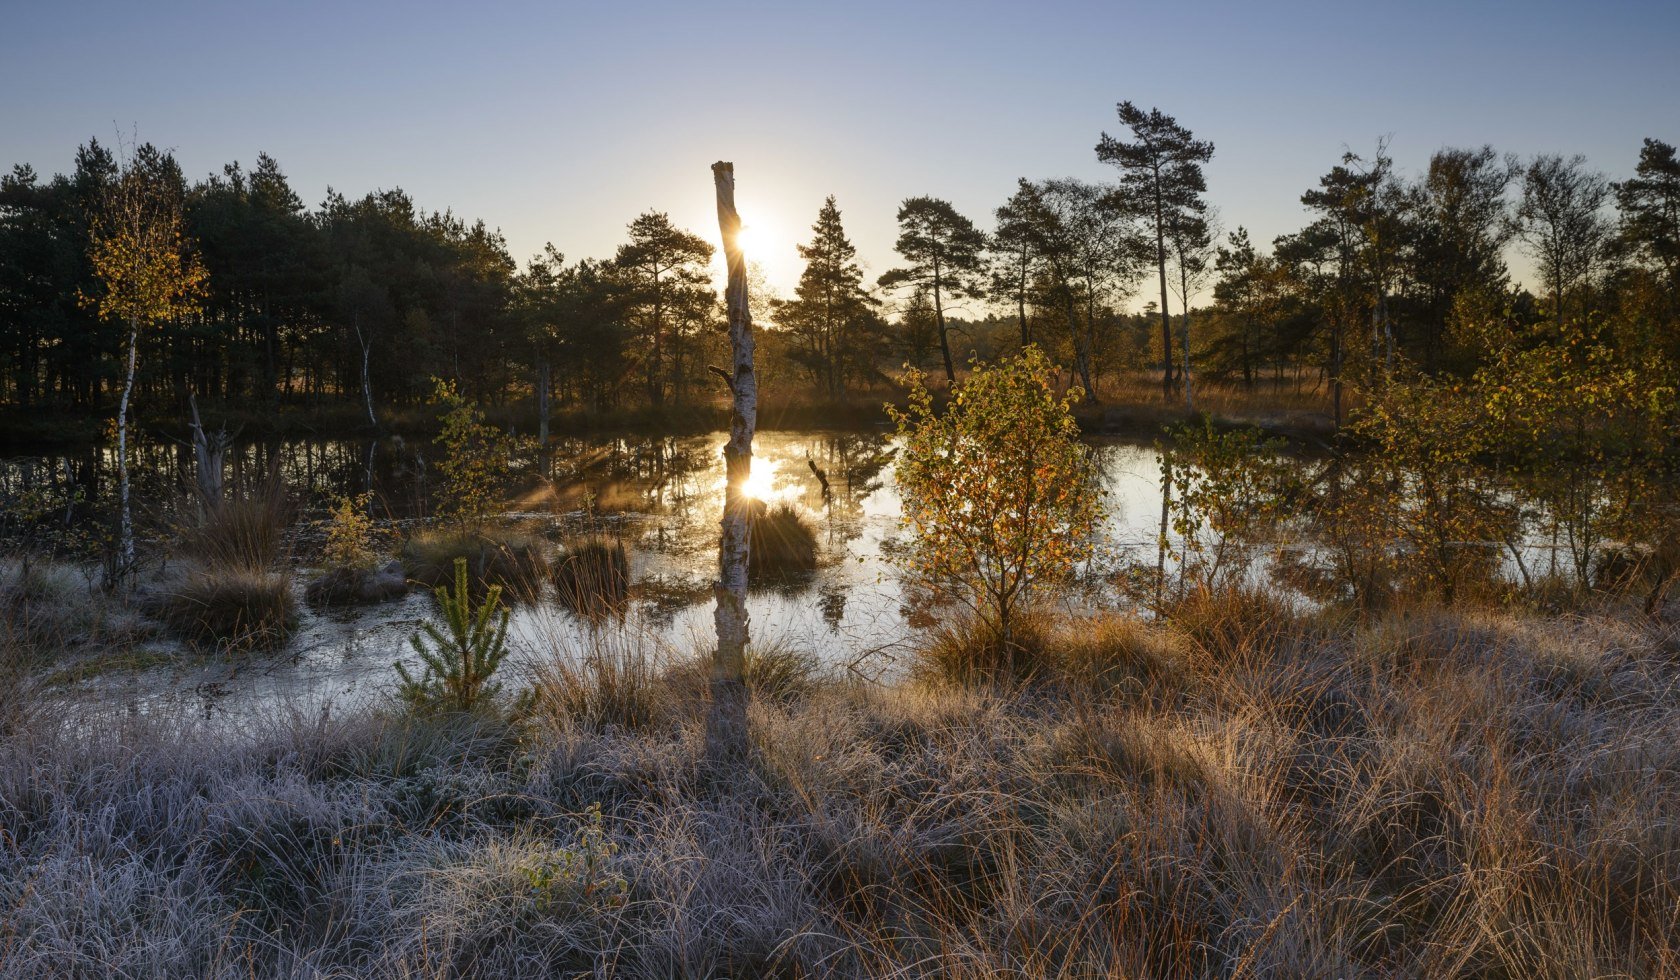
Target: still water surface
662 497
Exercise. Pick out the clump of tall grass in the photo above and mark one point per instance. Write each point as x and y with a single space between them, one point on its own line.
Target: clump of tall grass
231 595
616 678
1235 620
242 530
782 544
592 577
513 560
967 650
19 676
1103 654
230 608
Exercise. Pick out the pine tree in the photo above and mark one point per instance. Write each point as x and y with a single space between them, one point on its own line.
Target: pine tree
943 251
1160 177
664 268
832 320
459 661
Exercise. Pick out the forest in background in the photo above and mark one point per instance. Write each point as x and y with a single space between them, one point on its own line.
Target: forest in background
357 303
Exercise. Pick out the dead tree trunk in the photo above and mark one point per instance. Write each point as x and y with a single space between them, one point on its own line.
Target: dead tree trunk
367 354
209 455
726 724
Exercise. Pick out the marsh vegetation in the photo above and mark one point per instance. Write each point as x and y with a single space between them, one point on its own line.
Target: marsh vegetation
1361 661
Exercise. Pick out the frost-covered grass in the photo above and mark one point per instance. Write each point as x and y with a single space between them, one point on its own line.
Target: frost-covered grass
1440 794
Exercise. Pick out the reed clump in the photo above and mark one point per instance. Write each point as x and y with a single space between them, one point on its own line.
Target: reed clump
592 577
782 545
512 559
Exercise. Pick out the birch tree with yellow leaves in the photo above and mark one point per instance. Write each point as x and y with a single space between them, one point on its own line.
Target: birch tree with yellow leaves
146 274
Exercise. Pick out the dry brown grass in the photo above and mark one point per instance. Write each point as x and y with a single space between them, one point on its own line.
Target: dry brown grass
243 531
236 608
1428 794
592 577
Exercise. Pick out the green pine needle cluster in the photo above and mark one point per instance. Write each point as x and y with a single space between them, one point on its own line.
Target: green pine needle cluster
460 660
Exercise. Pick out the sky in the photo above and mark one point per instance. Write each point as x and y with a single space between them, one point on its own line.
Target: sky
560 122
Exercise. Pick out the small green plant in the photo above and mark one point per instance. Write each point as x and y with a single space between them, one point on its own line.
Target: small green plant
568 878
458 664
476 457
349 530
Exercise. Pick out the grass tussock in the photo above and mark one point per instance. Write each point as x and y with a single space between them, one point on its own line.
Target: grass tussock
355 585
516 561
592 577
241 531
782 545
1106 655
229 608
1425 794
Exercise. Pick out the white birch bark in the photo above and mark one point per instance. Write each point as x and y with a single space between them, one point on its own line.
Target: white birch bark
127 530
726 726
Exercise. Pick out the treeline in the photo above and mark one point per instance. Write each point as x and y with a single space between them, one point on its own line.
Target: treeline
363 301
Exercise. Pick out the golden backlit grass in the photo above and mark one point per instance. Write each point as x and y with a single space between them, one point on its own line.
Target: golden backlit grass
1428 793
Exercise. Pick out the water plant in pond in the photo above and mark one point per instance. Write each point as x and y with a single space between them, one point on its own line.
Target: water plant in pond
781 544
593 576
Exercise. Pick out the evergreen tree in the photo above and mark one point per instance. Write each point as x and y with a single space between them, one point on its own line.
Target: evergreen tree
1014 261
1161 178
1650 205
943 255
1462 226
832 320
664 271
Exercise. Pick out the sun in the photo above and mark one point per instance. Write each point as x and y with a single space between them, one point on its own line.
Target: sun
750 239
761 482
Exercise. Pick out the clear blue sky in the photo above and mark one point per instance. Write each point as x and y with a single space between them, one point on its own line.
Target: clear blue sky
560 122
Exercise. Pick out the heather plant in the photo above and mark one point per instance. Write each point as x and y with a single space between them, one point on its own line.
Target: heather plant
459 661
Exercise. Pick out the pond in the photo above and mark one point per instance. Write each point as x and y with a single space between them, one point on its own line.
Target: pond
661 496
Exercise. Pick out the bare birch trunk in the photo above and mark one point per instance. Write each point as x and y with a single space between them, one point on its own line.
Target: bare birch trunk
126 533
726 724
